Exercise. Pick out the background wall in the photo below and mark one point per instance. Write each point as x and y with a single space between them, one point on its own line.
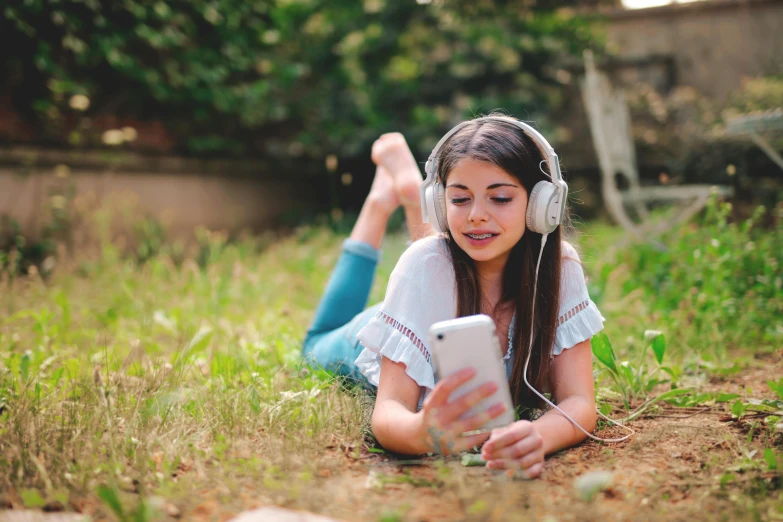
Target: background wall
182 193
713 44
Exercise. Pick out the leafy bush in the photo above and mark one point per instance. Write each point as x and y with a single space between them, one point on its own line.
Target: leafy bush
306 77
717 285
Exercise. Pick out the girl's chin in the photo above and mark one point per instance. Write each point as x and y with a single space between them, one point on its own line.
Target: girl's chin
481 254
483 257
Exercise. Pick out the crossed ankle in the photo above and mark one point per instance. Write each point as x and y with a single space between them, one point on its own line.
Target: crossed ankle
408 193
380 204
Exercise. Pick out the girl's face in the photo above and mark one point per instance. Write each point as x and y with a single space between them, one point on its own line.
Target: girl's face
485 210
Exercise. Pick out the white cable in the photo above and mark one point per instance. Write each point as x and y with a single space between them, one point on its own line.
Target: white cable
527 362
545 173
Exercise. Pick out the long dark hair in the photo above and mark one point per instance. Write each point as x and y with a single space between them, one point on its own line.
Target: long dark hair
508 147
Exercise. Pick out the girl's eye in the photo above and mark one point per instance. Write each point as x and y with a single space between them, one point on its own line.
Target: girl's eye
458 201
502 200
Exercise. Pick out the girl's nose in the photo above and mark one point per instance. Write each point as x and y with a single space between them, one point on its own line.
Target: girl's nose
478 212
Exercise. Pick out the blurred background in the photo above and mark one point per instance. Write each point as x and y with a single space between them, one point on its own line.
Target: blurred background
238 115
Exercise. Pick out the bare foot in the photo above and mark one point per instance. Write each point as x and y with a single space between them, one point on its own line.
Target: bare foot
392 152
382 192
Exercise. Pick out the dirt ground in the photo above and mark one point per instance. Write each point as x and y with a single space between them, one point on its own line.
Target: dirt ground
671 470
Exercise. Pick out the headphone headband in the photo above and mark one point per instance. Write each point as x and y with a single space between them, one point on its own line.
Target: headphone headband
431 167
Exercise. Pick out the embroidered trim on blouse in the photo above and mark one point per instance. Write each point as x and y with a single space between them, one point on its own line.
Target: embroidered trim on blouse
572 312
406 332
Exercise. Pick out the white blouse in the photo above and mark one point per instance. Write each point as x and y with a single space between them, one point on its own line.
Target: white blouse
422 291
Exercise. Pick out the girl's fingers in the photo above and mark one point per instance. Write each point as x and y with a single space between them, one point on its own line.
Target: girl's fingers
535 470
457 408
476 421
531 471
440 394
513 451
506 437
471 441
531 459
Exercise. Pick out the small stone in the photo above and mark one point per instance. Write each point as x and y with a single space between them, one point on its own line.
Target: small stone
276 514
373 480
590 483
171 510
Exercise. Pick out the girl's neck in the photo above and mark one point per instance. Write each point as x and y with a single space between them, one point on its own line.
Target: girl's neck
490 274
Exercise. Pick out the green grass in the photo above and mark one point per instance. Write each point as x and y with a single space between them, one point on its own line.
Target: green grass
127 383
115 373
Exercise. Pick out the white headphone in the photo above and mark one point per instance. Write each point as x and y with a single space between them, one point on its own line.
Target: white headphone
546 203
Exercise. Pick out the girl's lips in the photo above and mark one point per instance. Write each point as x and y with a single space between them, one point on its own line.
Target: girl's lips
480 242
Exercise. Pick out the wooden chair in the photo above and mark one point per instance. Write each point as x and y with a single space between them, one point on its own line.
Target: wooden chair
610 126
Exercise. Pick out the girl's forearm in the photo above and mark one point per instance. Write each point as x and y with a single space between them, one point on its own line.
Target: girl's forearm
397 428
558 432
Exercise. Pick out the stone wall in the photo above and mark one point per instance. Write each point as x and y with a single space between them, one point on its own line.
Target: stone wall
182 193
709 45
713 43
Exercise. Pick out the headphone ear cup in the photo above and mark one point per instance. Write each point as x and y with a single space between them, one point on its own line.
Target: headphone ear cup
538 208
440 207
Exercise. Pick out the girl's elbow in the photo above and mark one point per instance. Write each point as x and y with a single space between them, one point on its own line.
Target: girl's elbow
587 417
377 426
591 417
382 430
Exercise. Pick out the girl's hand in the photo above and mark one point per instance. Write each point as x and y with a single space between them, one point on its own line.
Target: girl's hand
517 446
442 423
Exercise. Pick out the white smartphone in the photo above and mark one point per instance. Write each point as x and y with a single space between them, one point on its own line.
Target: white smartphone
471 342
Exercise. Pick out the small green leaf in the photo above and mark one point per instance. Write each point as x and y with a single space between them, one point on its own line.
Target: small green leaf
659 347
24 366
109 496
56 376
31 498
626 370
142 513
199 342
725 479
738 408
726 397
776 387
770 459
478 507
375 450
602 350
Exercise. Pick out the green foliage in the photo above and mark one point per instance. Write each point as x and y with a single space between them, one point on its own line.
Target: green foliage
97 371
633 380
717 285
31 498
111 497
757 95
306 77
771 459
777 387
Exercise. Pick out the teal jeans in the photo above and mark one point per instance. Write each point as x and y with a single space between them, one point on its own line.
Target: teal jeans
331 341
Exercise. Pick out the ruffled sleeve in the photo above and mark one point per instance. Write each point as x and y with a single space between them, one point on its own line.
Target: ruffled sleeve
421 292
579 319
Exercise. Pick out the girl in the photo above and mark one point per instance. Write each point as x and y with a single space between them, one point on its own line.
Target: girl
484 263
